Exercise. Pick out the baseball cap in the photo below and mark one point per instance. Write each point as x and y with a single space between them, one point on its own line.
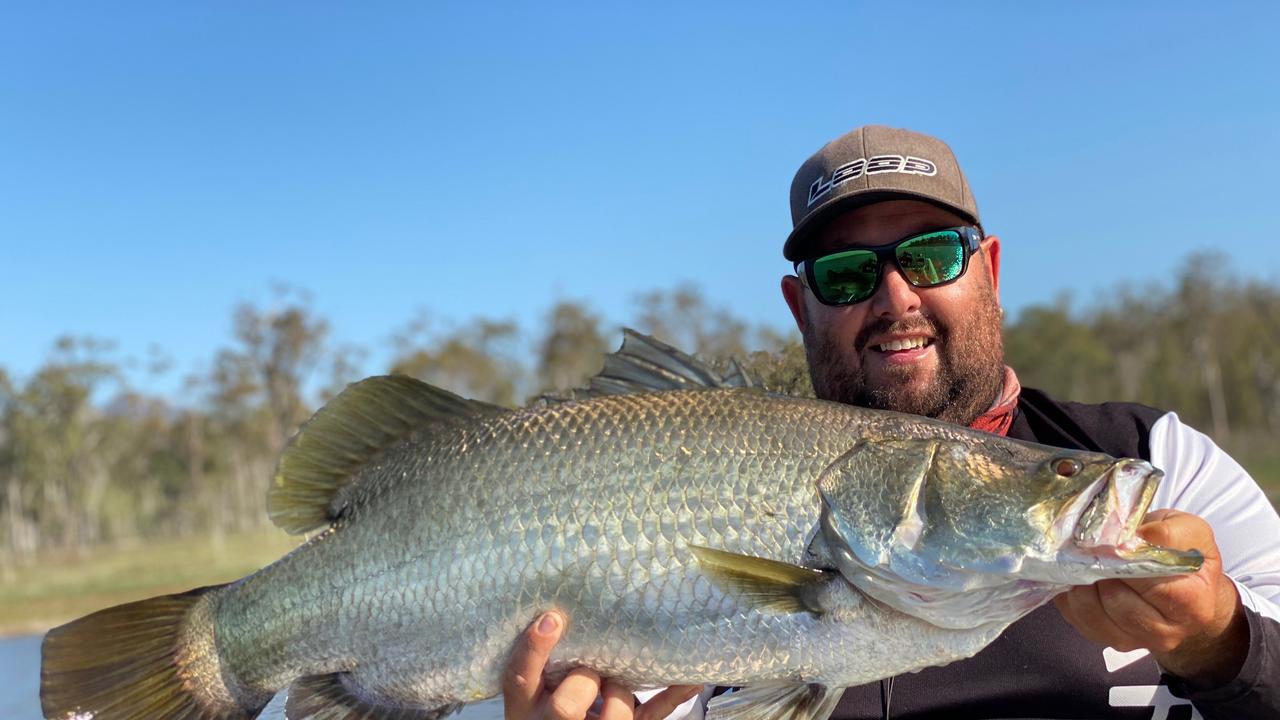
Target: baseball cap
871 164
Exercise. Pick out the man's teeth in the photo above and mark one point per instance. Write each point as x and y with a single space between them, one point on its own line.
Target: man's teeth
907 344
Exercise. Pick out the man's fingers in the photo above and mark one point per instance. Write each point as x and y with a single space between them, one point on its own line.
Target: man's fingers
1170 528
525 695
1180 531
1193 624
1130 610
1082 608
1182 599
617 702
1162 514
522 682
574 696
664 703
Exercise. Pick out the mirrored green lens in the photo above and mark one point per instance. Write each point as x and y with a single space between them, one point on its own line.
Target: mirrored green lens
846 277
932 259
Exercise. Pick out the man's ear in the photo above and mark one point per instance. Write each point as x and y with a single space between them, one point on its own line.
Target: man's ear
793 293
991 249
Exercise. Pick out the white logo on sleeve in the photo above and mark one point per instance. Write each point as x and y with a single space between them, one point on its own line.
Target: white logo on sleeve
1115 659
1152 696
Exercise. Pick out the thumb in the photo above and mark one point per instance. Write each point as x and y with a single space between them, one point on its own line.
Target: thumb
1177 530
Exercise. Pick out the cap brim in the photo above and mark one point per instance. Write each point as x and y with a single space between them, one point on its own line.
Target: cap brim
794 248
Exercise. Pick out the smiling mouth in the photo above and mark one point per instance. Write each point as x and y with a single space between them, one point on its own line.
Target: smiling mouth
903 344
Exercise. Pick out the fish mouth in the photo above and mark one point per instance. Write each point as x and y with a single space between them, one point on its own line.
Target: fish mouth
1109 524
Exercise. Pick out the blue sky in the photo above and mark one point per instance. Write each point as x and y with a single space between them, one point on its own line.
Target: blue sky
161 162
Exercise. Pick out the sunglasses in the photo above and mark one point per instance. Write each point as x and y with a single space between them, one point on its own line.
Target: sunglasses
926 260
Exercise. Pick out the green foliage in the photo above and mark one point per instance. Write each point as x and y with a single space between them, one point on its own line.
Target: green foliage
1047 346
783 370
279 348
683 318
1207 347
571 350
475 361
85 459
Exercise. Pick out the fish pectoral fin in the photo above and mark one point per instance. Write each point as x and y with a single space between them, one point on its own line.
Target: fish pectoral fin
775 701
352 430
334 697
768 585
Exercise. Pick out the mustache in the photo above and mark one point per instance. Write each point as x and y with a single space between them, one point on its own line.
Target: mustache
916 325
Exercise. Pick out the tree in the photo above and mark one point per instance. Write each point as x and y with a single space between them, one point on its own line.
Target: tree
280 347
478 361
683 318
57 454
255 398
1048 345
572 348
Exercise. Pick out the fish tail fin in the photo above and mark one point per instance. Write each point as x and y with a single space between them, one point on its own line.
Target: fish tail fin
153 658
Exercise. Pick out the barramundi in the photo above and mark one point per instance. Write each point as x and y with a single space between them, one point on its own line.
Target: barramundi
693 528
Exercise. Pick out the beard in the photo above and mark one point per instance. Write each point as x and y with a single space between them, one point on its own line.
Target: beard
970 370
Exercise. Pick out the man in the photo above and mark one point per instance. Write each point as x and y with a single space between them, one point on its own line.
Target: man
914 326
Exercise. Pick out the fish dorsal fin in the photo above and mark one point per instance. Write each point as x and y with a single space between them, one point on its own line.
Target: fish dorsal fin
646 364
363 420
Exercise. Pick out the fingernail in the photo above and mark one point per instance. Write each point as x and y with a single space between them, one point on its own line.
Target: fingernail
548 624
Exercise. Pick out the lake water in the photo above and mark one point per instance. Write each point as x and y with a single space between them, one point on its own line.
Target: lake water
20 687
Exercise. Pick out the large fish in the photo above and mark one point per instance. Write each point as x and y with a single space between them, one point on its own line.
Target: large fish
693 532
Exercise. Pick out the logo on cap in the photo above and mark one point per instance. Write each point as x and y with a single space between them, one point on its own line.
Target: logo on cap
870 166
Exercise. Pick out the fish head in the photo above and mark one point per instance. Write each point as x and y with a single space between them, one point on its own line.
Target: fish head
924 521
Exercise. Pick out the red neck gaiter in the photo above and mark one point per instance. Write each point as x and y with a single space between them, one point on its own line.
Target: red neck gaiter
999 417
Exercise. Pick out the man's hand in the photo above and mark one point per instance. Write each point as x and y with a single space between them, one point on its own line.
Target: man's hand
1194 625
526 696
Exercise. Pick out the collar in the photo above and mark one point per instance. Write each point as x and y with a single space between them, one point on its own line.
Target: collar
999 417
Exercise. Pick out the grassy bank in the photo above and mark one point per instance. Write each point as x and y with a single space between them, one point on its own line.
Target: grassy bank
36 597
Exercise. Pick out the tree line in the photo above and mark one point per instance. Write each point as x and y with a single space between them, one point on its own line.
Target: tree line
87 458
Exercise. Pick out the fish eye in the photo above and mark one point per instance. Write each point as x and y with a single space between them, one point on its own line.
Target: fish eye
1067 467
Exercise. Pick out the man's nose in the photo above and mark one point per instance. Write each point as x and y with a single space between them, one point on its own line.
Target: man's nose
895 297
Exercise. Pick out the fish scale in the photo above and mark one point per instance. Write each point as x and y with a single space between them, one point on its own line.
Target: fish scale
683 505
691 532
702 501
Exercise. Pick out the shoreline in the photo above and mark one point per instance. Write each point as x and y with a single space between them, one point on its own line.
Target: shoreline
54 589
